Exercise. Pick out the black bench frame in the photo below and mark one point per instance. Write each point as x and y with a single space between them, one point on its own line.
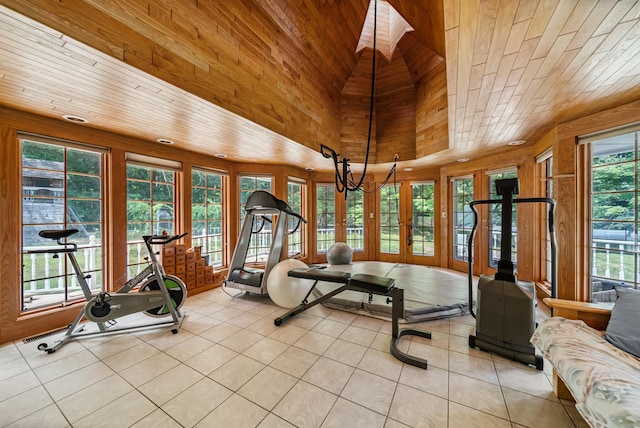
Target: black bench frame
370 284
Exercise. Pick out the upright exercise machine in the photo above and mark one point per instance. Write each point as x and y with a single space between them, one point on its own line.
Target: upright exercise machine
506 306
261 208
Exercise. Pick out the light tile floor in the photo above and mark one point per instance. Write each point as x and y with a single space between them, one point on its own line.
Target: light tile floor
229 366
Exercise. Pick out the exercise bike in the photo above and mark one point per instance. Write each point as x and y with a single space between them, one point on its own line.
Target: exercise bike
158 295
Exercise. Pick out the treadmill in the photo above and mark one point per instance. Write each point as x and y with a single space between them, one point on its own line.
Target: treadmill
261 208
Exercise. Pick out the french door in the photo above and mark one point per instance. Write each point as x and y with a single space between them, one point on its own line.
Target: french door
340 220
407 223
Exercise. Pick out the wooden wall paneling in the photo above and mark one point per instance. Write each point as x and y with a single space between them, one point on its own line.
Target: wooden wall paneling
538 268
354 129
175 60
564 188
583 226
10 258
116 219
432 128
482 238
396 125
183 222
444 213
429 27
527 243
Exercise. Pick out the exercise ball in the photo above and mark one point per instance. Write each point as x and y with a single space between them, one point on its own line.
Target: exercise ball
339 254
286 291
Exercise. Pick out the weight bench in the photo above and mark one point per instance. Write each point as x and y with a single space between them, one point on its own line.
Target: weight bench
367 284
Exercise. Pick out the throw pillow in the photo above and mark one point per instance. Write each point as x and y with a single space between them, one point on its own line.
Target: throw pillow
622 330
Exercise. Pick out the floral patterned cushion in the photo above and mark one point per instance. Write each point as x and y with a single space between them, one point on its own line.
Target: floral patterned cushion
604 380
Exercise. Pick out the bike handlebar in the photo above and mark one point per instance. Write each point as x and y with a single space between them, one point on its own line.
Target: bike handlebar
163 239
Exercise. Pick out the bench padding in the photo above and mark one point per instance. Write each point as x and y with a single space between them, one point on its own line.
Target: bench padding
372 283
320 275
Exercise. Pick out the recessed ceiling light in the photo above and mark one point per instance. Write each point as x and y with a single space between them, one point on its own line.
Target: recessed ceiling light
516 143
463 160
408 169
74 119
308 169
164 141
220 155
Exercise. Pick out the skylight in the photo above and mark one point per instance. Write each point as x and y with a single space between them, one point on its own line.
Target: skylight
391 26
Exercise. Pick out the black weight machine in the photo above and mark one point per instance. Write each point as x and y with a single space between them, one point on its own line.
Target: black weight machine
370 284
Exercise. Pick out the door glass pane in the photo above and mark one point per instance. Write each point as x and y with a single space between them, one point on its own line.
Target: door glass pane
495 222
422 219
325 217
355 221
462 217
390 220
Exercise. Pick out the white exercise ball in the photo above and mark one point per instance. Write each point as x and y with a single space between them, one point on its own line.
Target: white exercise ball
339 254
284 290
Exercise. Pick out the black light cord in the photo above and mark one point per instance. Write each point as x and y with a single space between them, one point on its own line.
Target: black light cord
344 179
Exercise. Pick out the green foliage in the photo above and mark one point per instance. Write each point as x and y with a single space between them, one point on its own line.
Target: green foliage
163 192
613 186
138 190
83 162
83 186
41 151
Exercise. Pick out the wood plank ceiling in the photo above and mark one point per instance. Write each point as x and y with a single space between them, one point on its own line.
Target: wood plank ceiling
270 80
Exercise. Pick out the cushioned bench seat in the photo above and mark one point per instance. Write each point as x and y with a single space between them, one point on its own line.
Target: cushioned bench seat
603 380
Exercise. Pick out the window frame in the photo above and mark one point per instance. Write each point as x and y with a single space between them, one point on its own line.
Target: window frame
330 202
90 255
386 220
466 215
153 165
213 247
494 228
260 244
601 278
296 240
431 228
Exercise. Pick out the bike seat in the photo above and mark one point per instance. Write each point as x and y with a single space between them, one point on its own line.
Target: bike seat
57 234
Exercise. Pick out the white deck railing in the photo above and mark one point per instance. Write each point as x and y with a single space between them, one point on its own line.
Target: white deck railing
46 273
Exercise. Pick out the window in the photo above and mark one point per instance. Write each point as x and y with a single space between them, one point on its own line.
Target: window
615 216
326 217
545 163
390 220
355 221
295 240
422 219
207 214
495 221
150 209
462 217
258 250
61 189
